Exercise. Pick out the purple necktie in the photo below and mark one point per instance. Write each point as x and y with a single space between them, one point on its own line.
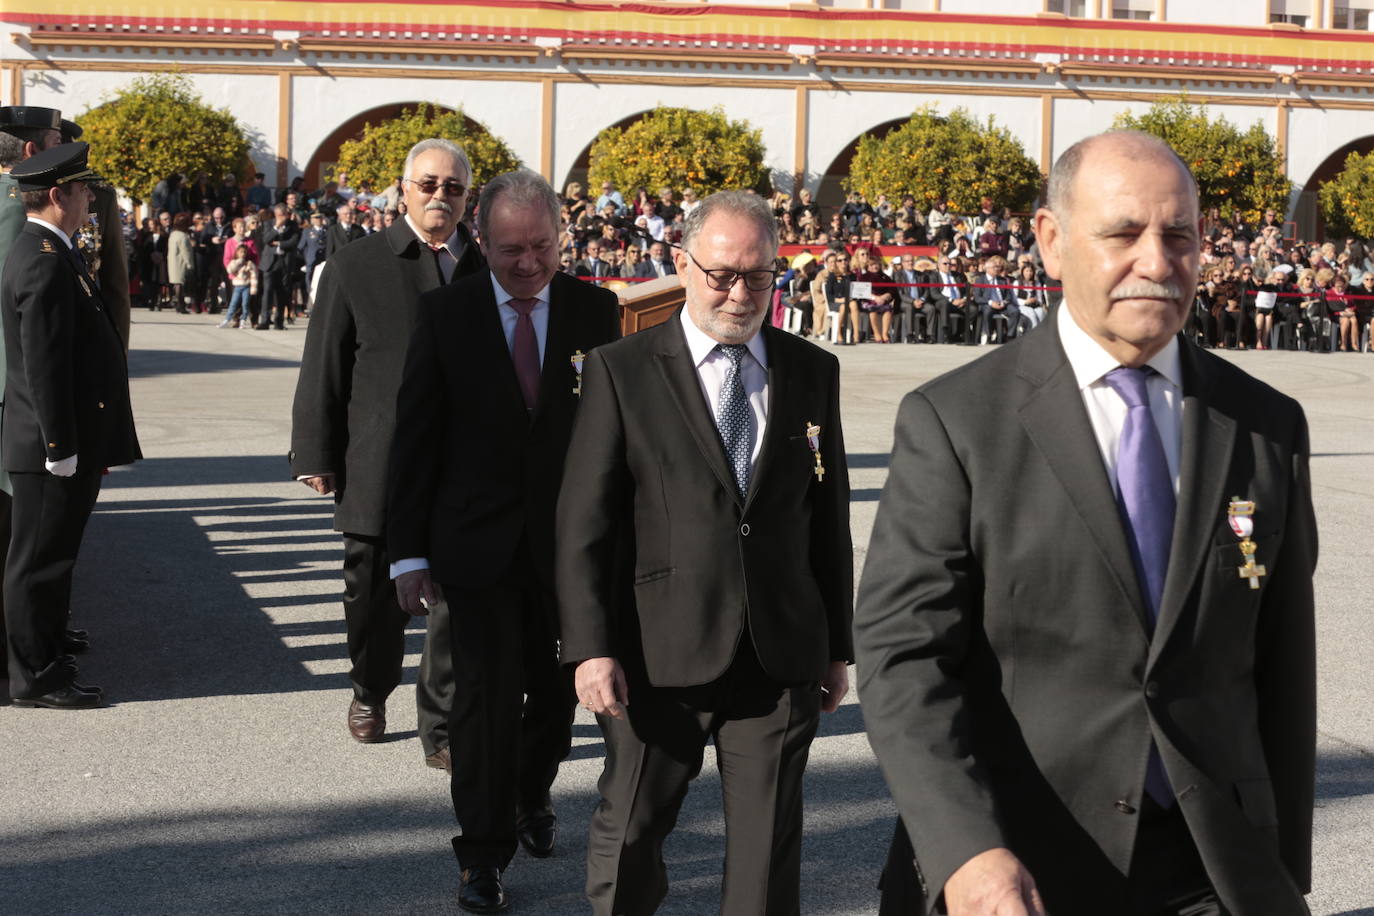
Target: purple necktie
525 351
1145 493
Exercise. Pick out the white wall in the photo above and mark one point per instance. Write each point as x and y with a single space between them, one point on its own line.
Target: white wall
509 109
1314 134
1210 12
582 110
992 7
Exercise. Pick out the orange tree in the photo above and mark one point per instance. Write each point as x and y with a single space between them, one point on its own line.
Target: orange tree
1347 201
158 126
680 148
379 152
1237 171
952 157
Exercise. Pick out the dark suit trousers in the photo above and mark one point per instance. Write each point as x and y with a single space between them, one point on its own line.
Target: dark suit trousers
512 710
762 732
1167 877
6 504
276 298
49 518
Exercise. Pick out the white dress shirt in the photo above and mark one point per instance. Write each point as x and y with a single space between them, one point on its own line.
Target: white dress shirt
711 366
63 467
539 315
449 254
1107 410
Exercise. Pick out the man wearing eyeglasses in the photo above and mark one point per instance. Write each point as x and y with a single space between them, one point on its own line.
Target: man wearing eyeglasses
948 295
344 417
710 447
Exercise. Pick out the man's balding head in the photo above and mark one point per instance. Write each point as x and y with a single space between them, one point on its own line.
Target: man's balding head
1127 253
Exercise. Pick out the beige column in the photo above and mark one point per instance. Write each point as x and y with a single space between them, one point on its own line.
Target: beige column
802 130
1046 133
283 126
546 128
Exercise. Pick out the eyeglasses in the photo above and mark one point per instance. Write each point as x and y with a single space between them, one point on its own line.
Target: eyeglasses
453 187
722 280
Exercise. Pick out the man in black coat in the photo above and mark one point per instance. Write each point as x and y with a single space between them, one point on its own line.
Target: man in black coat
345 230
711 448
656 264
344 416
279 260
492 381
1093 691
948 295
67 418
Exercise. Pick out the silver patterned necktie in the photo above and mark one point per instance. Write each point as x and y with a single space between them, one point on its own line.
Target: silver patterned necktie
734 418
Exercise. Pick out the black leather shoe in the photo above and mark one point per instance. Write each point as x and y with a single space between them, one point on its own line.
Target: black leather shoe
537 830
73 633
74 646
481 891
68 697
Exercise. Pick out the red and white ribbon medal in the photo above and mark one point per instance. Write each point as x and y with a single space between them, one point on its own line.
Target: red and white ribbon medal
1240 515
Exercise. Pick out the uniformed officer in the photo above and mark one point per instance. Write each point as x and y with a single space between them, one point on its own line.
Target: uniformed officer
67 417
23 132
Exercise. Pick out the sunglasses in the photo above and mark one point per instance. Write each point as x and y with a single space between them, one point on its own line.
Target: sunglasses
452 187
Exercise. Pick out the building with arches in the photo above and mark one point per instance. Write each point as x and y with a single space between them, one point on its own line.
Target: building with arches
812 77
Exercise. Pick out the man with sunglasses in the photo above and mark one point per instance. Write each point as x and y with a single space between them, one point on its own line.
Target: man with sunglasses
709 449
344 417
948 296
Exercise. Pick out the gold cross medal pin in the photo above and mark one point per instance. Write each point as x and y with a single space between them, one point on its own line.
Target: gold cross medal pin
813 438
1240 515
578 358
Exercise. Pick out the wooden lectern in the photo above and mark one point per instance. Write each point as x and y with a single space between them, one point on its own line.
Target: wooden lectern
643 305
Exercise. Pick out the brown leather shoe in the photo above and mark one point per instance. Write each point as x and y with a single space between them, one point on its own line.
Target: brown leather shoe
366 723
440 760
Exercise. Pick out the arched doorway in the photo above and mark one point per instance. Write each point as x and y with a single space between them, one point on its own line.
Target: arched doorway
830 194
1307 213
582 164
322 163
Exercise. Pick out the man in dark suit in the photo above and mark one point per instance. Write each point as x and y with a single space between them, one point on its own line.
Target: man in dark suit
657 264
66 419
486 405
593 265
280 258
709 449
948 295
918 317
992 294
344 416
313 241
344 231
1093 690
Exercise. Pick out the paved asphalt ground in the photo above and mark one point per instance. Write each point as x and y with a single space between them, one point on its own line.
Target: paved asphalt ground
221 778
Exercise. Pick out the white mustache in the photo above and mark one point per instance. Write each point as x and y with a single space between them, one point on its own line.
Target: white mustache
1148 290
438 205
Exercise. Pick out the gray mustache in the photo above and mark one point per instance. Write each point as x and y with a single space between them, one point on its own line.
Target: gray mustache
438 205
1146 290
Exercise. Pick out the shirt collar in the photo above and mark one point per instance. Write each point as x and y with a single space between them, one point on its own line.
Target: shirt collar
49 226
1090 362
701 346
502 297
454 244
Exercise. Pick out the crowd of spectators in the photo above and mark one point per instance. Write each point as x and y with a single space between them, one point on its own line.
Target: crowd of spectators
885 271
200 248
881 271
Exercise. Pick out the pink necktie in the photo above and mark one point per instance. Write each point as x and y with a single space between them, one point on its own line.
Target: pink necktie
525 351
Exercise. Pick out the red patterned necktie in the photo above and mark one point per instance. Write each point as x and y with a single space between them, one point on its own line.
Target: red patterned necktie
525 351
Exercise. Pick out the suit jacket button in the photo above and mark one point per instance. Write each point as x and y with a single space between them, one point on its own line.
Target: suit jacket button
1125 807
744 529
1152 689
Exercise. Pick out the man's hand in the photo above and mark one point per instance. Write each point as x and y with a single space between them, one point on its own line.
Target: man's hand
417 593
993 883
323 484
601 687
834 686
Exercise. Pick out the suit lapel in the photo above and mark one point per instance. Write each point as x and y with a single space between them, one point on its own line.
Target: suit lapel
556 366
1056 421
780 379
674 363
1204 464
